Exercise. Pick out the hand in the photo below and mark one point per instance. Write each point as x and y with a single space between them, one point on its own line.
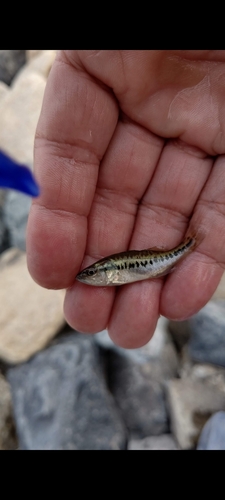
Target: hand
129 153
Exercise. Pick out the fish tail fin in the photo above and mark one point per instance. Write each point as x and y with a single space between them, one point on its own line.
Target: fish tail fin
193 238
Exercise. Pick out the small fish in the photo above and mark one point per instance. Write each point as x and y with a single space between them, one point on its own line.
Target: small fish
135 265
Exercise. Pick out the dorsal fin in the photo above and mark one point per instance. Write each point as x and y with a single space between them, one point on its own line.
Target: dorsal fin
158 249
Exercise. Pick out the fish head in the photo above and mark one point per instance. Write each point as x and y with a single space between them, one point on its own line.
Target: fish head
98 274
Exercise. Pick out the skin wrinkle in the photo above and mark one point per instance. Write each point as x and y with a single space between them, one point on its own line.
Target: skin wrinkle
218 141
108 193
175 71
123 76
212 106
103 232
177 186
148 137
80 67
61 212
161 211
111 198
89 157
183 211
203 278
56 148
131 160
79 208
186 94
210 259
81 90
76 166
158 240
120 86
187 148
127 168
218 207
191 55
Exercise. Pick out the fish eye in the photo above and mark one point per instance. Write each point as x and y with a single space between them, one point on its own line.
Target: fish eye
90 272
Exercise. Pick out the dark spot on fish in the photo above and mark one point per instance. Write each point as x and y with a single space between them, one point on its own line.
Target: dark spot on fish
151 262
142 264
122 266
146 262
162 258
131 265
137 263
125 265
188 244
171 255
118 267
167 257
176 253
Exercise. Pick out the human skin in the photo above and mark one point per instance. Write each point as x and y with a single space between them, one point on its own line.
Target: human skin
129 154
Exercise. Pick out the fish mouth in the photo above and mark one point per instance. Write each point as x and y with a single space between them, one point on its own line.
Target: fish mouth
82 277
86 275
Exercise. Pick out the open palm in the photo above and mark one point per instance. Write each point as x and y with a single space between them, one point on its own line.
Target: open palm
129 154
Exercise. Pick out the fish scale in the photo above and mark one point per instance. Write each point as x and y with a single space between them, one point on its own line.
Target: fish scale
135 265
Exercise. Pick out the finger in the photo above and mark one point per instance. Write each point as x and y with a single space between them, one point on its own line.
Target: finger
190 289
161 221
168 92
76 124
125 172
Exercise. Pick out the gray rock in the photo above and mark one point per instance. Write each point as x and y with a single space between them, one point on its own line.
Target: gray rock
194 398
213 433
220 291
159 349
30 315
41 62
10 233
2 230
136 379
191 403
4 89
7 428
32 54
10 62
2 225
139 394
180 332
15 216
61 400
212 375
163 442
207 343
4 236
19 110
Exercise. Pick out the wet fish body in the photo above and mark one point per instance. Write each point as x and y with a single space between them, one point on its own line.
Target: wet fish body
135 265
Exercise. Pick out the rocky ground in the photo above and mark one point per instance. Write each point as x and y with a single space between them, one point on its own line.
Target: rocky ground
63 390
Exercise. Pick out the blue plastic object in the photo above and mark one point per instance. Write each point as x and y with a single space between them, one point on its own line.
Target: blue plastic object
16 176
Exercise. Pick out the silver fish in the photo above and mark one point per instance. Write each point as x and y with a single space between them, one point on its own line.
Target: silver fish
135 265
